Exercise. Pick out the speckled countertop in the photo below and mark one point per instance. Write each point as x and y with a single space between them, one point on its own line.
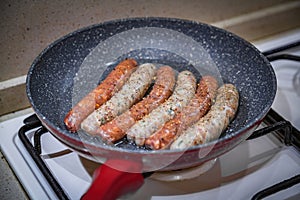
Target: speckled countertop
10 188
27 27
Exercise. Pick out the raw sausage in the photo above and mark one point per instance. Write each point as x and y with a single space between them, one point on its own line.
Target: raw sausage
162 89
132 91
112 83
183 93
196 109
214 122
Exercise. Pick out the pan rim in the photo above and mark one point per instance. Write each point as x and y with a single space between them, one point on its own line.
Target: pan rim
254 122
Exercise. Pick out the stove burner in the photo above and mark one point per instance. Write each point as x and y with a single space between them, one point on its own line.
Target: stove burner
281 128
184 174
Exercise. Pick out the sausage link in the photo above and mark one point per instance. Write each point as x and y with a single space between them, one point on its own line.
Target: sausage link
183 93
132 91
162 89
104 91
214 122
196 109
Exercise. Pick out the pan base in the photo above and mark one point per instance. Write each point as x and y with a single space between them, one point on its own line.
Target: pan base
184 174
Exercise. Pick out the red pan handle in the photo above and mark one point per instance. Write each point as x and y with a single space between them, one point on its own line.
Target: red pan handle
109 183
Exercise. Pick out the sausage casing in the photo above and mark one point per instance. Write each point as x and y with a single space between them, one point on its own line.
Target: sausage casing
132 91
104 91
196 109
162 89
214 122
183 93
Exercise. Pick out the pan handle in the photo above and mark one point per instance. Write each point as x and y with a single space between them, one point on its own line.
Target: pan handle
109 183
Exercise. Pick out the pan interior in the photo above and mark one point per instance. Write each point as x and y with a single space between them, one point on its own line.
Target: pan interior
69 68
159 46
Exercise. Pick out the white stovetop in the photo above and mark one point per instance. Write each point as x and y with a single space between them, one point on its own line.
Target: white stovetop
238 174
288 77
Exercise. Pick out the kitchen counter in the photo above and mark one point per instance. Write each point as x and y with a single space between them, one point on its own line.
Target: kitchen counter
10 188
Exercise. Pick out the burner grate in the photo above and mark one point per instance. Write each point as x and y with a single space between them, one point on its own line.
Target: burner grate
289 135
277 187
276 124
34 150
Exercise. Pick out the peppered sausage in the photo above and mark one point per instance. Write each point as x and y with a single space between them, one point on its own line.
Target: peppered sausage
183 93
132 91
104 91
214 122
162 89
196 109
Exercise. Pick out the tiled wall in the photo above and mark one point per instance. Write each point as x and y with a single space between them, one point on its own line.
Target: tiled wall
27 27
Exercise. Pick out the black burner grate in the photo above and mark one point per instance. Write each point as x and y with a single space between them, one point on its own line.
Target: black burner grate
276 124
34 150
289 135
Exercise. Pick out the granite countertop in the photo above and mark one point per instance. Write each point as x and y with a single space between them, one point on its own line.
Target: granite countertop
10 188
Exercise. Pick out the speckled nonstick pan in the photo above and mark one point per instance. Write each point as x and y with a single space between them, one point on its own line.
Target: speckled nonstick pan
59 69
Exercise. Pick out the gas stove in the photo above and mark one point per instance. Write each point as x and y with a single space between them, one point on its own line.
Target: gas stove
263 165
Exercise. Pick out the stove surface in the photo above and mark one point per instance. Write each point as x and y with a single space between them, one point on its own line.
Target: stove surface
238 174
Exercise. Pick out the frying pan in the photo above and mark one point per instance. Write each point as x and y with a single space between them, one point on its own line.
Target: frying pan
74 64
